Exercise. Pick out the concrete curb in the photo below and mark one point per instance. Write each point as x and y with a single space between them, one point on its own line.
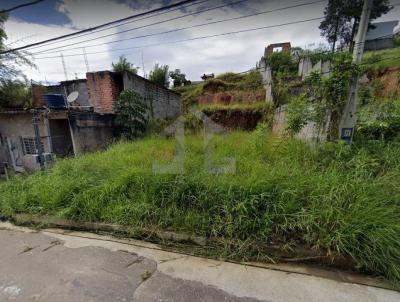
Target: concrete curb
90 227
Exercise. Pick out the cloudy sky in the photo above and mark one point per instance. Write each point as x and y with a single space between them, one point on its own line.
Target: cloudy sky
230 52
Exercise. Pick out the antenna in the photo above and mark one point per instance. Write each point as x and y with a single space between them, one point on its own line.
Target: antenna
64 67
144 70
86 59
72 97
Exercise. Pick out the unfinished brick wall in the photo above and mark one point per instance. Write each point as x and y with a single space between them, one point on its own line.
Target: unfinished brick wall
269 50
103 89
161 102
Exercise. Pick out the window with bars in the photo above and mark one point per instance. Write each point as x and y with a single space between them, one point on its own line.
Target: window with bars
30 146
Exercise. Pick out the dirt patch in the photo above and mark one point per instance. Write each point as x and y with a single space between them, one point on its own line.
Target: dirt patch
232 97
236 119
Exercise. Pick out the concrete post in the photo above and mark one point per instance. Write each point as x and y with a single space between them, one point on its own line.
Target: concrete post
346 129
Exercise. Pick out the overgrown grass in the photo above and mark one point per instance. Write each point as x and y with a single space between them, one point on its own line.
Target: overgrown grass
330 198
382 59
226 82
238 106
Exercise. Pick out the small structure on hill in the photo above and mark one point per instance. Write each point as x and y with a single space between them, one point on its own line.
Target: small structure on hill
277 47
265 69
207 76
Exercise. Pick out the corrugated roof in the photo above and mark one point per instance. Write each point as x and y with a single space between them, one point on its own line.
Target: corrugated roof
382 30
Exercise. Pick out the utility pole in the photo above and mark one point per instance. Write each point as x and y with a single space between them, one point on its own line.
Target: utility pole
35 122
86 59
64 66
144 71
346 129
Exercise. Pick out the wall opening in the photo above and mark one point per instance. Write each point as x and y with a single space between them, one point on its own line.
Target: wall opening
61 137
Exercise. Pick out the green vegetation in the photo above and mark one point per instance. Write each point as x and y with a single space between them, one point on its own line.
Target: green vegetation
12 61
160 75
382 59
123 65
324 99
131 114
230 82
15 94
239 106
178 78
335 200
342 18
379 120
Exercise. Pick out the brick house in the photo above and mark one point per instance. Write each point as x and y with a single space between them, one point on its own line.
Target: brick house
84 126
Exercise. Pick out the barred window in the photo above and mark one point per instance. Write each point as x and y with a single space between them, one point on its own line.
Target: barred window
29 145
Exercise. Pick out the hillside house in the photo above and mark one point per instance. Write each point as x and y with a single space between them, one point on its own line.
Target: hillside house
85 125
382 36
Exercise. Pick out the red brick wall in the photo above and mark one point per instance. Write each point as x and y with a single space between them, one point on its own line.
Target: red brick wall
103 90
270 49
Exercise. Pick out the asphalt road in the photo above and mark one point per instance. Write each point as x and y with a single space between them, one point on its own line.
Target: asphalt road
48 266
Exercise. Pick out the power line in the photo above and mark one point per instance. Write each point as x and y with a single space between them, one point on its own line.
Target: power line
100 26
148 25
178 29
195 38
20 6
123 23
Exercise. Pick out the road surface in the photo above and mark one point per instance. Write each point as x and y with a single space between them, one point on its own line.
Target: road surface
57 266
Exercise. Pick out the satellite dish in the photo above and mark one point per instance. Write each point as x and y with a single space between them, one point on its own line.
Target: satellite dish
73 96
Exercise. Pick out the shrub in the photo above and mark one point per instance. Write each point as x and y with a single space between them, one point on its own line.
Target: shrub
15 94
379 121
282 62
298 114
251 81
131 114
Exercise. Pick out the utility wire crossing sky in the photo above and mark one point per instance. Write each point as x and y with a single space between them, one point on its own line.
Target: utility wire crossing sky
198 36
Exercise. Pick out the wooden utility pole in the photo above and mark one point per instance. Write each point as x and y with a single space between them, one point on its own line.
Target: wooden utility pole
346 129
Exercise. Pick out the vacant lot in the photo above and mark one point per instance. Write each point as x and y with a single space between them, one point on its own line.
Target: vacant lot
334 200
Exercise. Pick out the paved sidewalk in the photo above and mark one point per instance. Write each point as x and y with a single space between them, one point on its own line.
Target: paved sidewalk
59 266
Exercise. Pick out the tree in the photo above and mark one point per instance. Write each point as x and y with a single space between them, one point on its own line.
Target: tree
178 77
123 65
9 61
130 109
160 75
15 94
342 18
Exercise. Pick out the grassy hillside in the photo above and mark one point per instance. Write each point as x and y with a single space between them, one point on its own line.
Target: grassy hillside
382 59
244 87
331 199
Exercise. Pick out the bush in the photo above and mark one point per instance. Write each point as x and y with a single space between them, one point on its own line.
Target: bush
15 94
397 41
298 114
379 121
282 63
130 109
252 81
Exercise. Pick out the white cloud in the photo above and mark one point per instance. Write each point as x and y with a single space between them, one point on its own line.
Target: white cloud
84 14
225 53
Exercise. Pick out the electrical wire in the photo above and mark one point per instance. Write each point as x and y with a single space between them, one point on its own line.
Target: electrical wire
177 29
123 23
100 26
151 24
192 39
20 6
